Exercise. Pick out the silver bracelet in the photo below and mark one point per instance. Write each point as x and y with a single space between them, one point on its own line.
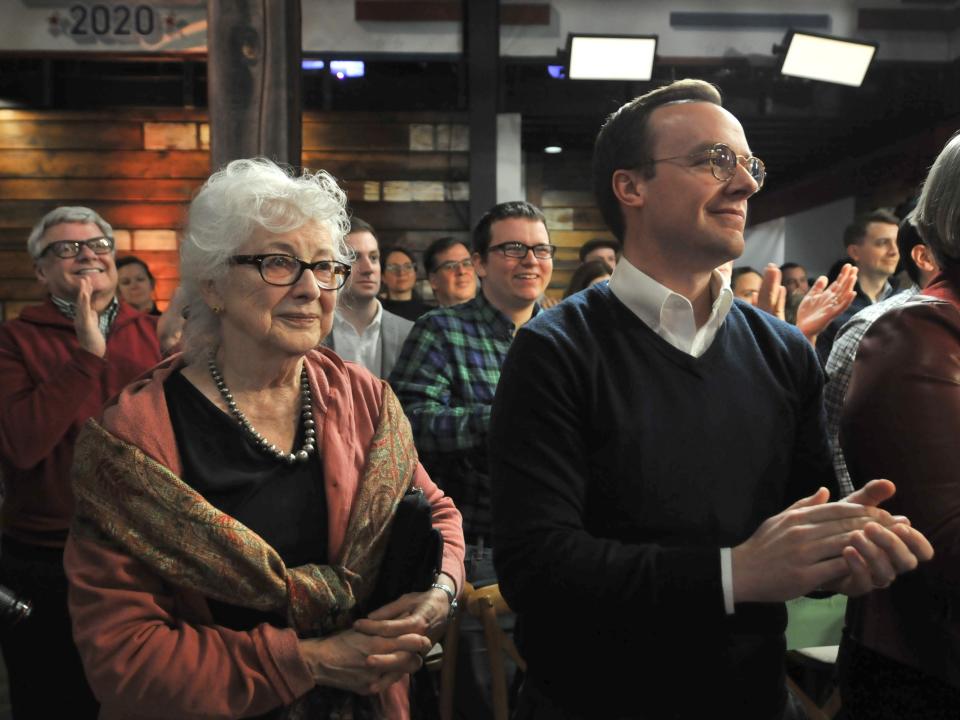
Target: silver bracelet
451 596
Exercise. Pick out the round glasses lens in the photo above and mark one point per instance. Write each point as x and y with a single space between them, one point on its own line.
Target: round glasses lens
279 269
723 161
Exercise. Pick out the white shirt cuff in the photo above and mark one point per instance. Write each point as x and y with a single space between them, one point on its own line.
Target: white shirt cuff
726 578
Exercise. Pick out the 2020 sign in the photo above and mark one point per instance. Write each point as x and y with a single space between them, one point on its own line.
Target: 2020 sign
112 20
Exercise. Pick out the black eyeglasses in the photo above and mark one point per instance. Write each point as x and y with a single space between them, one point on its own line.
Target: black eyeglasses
453 265
519 251
283 270
66 249
723 163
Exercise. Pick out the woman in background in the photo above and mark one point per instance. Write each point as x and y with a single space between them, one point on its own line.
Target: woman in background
400 280
590 273
136 284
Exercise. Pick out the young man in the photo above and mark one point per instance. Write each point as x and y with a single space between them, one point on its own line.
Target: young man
446 378
362 330
745 283
450 271
871 242
60 361
646 542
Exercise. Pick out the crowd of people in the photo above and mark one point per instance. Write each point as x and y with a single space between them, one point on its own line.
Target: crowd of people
204 505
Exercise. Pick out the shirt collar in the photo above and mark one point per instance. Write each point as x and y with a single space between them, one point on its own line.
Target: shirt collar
340 321
494 317
654 303
68 309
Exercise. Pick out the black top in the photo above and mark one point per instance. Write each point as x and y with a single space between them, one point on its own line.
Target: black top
619 467
284 504
409 309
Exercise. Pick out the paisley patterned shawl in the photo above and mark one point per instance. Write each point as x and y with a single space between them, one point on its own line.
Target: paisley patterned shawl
128 499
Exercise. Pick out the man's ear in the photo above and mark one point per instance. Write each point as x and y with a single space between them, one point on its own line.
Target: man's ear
479 265
923 258
853 250
38 271
629 187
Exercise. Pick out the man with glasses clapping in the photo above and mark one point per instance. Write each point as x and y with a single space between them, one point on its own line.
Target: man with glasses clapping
60 361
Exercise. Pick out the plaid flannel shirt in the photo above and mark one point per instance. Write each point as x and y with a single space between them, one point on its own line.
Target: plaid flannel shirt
446 377
840 368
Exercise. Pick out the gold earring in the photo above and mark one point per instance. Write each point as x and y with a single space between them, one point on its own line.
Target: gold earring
217 310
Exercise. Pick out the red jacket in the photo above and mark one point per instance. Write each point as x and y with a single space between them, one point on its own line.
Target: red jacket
49 386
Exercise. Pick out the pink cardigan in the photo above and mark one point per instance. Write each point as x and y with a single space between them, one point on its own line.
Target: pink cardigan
151 650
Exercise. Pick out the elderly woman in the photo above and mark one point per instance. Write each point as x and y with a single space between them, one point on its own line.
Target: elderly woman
901 419
233 507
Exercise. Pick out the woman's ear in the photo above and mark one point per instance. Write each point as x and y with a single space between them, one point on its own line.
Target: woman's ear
629 187
211 295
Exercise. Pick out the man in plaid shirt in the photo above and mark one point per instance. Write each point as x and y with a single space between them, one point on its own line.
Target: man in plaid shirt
446 377
921 267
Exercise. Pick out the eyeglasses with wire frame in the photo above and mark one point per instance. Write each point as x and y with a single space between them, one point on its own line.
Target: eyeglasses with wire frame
723 163
399 267
284 270
519 251
453 265
66 249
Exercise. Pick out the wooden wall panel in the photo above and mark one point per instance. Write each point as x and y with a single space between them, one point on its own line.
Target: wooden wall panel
561 185
404 172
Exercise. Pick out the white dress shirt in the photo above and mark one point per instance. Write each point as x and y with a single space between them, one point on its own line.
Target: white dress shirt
364 348
670 315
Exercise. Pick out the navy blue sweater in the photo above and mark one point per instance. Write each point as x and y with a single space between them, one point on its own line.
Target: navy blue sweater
620 466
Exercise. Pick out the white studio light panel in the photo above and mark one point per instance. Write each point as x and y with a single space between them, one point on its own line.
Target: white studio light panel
608 57
833 60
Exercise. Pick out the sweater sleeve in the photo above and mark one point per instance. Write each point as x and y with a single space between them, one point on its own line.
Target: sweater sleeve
38 409
140 655
545 556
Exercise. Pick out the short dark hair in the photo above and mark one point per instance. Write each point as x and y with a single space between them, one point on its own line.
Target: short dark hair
503 211
384 254
358 225
740 272
791 266
856 231
908 237
586 274
624 141
438 246
134 260
590 245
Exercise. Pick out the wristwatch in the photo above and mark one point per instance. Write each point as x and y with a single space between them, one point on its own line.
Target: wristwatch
451 596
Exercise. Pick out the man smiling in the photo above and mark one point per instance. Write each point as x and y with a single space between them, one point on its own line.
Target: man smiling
632 518
59 363
446 378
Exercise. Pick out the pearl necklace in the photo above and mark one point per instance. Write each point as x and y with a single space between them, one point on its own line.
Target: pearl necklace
306 414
